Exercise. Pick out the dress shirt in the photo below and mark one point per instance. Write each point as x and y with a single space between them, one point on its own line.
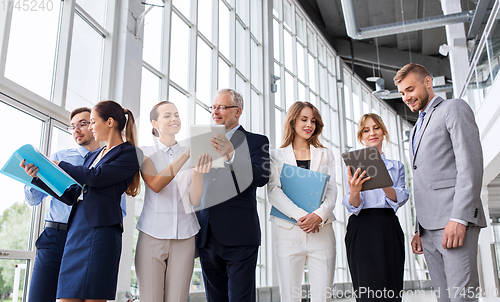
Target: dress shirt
168 214
376 198
426 110
59 211
229 135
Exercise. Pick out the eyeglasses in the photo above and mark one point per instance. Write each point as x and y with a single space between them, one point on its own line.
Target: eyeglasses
78 126
220 107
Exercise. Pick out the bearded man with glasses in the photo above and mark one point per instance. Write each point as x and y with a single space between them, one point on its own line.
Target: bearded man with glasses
50 244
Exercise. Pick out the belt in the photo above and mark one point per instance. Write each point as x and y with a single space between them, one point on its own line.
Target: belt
56 225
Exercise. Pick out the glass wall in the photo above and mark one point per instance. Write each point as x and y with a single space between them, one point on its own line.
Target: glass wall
184 52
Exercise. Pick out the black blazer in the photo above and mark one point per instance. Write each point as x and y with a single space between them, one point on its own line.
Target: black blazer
229 197
104 184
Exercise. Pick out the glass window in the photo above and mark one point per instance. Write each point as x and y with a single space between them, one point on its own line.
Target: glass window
150 92
375 106
241 87
96 9
312 72
334 124
289 95
287 14
152 44
203 117
257 114
224 74
204 72
60 139
256 64
311 41
184 6
224 30
313 99
287 47
276 8
332 87
356 108
323 89
14 276
321 52
181 101
326 118
179 52
242 9
84 77
205 18
31 50
241 48
302 94
331 63
301 71
256 18
15 213
276 38
299 28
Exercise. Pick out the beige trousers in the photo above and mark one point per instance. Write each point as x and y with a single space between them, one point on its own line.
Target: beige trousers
164 268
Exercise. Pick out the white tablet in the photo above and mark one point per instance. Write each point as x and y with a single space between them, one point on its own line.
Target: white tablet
199 140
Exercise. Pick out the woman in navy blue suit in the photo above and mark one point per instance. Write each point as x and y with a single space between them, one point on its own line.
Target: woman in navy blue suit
89 268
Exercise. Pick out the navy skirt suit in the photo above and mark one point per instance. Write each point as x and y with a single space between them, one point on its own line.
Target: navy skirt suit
89 267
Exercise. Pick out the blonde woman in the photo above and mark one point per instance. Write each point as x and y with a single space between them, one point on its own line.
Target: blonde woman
374 239
167 226
311 240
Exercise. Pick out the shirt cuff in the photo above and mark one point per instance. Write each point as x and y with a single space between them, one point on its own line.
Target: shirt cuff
459 221
230 162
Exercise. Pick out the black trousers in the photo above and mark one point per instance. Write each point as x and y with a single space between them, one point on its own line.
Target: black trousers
375 253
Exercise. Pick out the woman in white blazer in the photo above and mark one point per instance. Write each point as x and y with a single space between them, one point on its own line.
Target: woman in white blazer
311 240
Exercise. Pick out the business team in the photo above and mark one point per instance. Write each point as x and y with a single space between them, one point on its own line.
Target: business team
446 160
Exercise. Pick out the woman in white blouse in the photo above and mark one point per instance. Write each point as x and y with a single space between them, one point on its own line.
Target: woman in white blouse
374 239
167 226
311 239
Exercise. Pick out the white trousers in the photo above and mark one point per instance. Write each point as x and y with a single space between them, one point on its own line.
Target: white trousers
294 248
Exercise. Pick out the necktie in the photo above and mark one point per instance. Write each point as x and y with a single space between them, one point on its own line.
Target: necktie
420 121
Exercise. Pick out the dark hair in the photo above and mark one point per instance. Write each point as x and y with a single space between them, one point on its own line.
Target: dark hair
111 109
79 110
153 115
289 126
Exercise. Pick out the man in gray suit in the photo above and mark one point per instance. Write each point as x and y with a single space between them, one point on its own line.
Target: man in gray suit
447 164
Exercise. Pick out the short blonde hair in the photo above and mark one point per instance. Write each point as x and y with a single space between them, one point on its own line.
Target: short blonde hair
289 126
377 119
420 71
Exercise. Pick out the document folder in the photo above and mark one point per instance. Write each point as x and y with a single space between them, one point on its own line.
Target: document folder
304 187
53 176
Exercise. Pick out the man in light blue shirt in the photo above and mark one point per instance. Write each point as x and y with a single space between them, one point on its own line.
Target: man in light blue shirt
50 244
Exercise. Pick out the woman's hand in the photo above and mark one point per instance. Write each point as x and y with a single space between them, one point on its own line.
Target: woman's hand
309 223
30 168
356 181
56 162
204 163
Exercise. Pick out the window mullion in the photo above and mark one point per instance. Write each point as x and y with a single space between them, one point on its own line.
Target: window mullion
193 49
165 51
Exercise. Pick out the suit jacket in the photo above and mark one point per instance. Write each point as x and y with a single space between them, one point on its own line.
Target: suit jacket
104 184
447 166
229 197
322 160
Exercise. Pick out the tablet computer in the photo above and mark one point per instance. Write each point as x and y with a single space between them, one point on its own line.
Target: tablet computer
369 160
199 141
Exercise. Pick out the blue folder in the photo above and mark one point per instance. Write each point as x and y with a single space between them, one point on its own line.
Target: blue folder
53 176
304 187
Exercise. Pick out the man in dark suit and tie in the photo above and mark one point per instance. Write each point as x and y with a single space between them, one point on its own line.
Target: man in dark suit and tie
229 238
447 163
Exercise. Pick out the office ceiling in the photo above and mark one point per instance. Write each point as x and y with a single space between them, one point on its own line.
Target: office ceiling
393 51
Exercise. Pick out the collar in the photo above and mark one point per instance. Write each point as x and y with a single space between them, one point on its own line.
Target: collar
430 105
82 150
230 133
166 148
